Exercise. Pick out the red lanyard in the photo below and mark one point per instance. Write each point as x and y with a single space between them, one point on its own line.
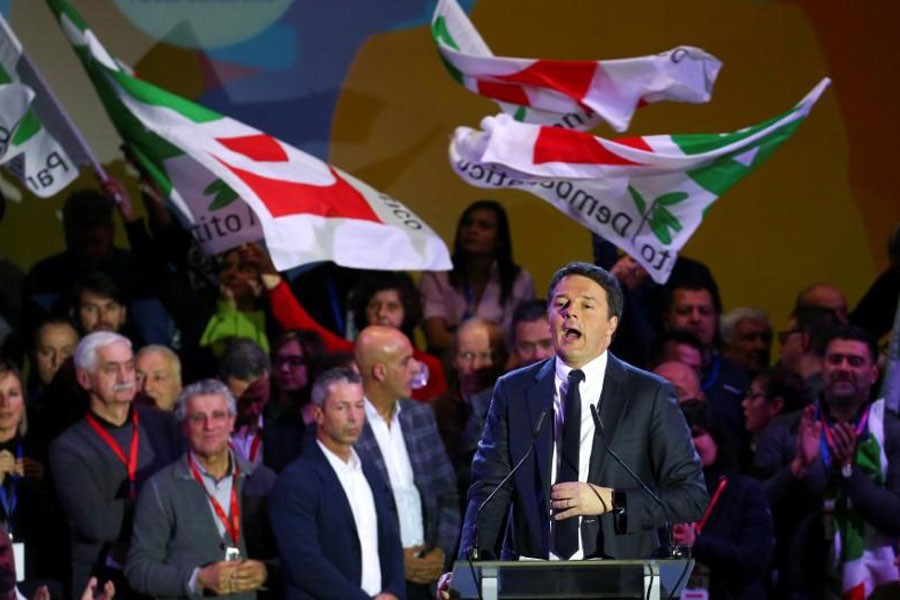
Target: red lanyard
712 504
131 462
254 446
232 526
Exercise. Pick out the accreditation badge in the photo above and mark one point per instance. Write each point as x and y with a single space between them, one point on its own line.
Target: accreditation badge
232 554
19 557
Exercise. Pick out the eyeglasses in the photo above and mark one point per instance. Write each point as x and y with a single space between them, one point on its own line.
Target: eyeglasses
292 360
216 417
471 356
785 334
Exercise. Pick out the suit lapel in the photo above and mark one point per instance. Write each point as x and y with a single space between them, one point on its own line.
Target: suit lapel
539 398
367 446
613 400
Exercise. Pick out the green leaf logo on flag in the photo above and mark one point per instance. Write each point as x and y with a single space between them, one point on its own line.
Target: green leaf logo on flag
224 195
660 218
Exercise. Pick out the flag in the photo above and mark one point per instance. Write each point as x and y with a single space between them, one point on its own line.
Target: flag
232 182
576 94
890 383
27 148
645 194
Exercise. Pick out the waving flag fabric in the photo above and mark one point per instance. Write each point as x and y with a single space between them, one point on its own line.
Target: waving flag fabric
27 149
572 94
207 163
645 194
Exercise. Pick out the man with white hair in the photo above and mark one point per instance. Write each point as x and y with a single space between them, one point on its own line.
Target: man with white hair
99 463
158 375
747 339
176 551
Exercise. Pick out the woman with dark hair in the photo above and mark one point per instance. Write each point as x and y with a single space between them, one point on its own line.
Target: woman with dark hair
297 355
380 298
733 541
386 298
484 282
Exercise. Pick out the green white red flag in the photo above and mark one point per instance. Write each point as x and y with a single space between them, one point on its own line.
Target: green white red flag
577 94
27 148
211 165
646 195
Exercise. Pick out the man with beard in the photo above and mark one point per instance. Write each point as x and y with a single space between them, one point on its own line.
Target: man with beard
99 464
840 461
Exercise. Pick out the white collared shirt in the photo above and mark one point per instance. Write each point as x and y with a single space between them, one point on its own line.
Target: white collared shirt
590 388
242 443
403 487
362 505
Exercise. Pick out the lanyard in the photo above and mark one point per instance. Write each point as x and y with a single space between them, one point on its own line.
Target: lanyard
9 501
233 525
712 504
827 437
132 461
254 446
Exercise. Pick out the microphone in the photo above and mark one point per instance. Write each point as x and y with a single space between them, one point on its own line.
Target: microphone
474 551
598 426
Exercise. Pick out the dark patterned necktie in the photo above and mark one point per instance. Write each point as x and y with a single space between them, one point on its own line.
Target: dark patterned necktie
565 539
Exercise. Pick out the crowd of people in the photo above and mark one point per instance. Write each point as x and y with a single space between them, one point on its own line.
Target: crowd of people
180 425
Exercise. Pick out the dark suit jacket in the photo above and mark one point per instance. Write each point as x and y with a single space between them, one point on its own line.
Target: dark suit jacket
643 426
432 472
317 538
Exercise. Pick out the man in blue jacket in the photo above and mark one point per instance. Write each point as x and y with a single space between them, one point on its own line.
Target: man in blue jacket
333 514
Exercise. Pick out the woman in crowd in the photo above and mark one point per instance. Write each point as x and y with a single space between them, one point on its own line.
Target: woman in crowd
23 493
380 298
734 540
295 361
773 392
484 281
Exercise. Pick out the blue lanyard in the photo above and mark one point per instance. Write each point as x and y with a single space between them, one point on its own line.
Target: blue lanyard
713 375
9 501
861 426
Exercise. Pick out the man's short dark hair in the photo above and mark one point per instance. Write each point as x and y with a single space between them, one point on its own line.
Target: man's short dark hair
243 359
601 277
855 334
99 283
328 378
529 311
85 209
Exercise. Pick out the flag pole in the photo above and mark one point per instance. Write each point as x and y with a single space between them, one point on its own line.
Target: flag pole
73 133
890 383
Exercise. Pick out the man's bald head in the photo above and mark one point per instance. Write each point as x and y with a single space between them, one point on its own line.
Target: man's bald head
683 378
384 356
376 343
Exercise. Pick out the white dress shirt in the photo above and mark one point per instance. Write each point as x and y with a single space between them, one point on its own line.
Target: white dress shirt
590 388
396 459
362 505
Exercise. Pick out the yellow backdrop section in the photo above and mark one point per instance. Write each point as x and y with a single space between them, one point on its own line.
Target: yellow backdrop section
791 222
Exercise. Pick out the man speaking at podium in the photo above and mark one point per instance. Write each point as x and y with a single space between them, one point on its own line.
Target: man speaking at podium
570 499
